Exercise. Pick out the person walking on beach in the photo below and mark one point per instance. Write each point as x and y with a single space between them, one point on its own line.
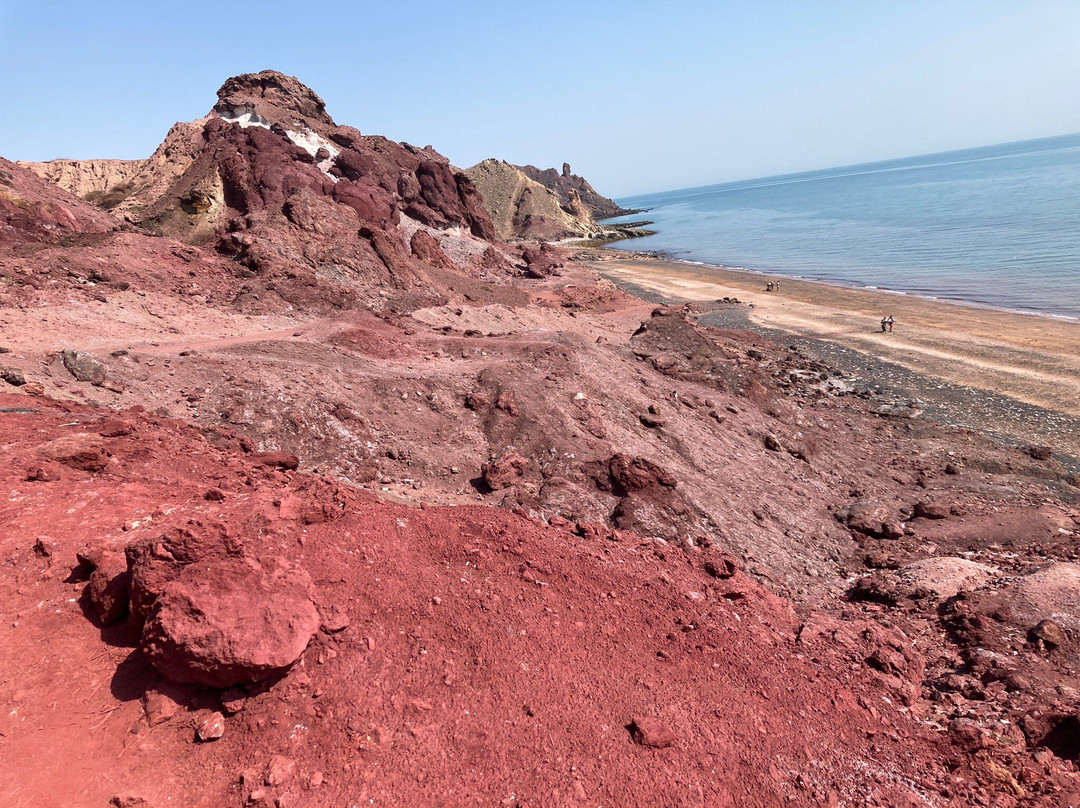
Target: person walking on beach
884 324
890 322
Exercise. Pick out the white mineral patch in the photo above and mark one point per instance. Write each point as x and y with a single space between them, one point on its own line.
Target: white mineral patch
245 116
311 143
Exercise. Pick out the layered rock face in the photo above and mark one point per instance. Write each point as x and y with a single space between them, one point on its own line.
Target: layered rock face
522 208
34 210
526 203
569 187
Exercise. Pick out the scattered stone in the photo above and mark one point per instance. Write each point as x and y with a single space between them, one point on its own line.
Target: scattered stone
927 509
504 472
41 474
12 377
969 733
89 557
44 547
772 444
334 620
214 495
315 780
281 460
116 428
1040 452
871 517
650 732
280 770
230 621
1050 633
83 366
233 700
210 727
506 403
159 707
723 567
651 421
129 801
80 450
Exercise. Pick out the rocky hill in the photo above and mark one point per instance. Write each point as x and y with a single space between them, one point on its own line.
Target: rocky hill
523 208
320 493
569 187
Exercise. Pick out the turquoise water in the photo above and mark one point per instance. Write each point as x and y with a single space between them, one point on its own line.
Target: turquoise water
997 225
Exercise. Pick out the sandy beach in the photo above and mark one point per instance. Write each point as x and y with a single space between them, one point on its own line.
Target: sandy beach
1027 358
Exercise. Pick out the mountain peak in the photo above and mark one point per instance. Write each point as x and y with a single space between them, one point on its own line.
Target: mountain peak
271 96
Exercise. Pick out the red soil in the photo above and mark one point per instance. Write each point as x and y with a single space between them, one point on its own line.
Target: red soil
484 659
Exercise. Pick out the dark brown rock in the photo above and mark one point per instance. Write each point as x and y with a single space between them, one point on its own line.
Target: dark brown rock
116 428
869 516
210 726
722 567
1040 452
505 471
159 707
12 377
629 474
565 184
1050 633
425 247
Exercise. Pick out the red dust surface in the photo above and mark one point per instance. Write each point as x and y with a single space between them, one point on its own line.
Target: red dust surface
468 656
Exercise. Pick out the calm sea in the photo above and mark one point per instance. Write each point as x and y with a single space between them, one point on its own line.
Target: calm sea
997 225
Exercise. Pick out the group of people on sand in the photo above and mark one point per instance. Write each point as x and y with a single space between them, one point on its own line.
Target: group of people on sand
772 286
887 323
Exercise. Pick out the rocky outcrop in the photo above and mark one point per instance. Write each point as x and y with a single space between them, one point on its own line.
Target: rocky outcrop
572 190
522 208
265 169
126 187
32 209
528 204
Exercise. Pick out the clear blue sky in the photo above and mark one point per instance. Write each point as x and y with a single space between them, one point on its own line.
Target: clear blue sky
637 96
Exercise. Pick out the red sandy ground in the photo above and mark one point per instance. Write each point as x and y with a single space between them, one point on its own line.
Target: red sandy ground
488 659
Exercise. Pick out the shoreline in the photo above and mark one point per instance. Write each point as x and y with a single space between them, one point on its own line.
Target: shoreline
661 256
972 304
1010 374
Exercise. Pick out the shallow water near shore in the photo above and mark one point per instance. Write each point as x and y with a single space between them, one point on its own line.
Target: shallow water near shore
997 225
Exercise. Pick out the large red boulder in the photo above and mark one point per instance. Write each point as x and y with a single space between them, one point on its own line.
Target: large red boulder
155 562
231 621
